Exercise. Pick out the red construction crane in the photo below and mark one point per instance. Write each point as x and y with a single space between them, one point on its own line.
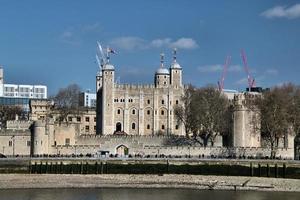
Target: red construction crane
221 81
251 81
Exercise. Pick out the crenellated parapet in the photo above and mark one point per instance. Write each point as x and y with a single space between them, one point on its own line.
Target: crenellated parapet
134 86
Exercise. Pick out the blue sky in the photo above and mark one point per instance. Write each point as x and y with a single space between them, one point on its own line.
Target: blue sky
54 42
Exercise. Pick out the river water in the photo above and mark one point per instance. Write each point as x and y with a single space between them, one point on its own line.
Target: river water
140 194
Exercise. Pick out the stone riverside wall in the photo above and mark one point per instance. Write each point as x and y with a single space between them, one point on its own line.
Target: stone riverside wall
152 146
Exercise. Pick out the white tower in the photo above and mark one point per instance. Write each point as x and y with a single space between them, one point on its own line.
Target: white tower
108 78
176 72
162 75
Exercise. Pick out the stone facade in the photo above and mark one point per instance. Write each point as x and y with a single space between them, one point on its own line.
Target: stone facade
139 109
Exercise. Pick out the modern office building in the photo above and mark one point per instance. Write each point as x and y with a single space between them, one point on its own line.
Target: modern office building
21 91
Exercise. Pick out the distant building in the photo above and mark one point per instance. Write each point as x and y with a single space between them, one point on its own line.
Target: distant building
21 91
87 99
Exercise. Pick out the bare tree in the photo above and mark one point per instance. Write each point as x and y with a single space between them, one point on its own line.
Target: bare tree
205 113
295 109
9 113
213 114
66 101
186 112
274 111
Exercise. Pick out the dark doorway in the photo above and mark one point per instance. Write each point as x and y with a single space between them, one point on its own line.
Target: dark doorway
118 127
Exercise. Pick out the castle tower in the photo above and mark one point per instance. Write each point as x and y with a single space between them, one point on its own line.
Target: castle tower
1 81
245 128
162 75
98 81
40 137
107 93
176 72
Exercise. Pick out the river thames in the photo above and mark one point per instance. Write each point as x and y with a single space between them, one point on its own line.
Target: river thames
140 194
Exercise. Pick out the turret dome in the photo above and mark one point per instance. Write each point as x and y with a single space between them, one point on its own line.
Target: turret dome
163 71
175 65
108 66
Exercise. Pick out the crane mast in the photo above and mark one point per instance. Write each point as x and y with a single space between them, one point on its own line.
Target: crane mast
251 81
222 79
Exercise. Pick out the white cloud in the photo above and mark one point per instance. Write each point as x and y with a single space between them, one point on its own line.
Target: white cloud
131 42
128 43
243 81
91 27
235 68
219 68
69 38
272 72
73 35
66 34
291 12
210 68
158 43
184 43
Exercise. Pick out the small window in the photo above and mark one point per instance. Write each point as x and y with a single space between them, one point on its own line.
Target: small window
78 119
165 82
133 126
163 127
95 119
148 126
119 111
87 128
133 112
165 76
95 128
10 143
148 101
69 119
176 127
67 141
148 112
28 143
162 101
87 119
176 102
162 112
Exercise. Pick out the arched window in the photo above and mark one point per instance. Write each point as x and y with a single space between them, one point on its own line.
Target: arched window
119 111
176 127
148 126
148 101
162 112
176 101
163 127
148 112
133 112
133 126
162 102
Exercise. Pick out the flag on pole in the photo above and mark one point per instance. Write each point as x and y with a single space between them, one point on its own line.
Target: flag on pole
110 50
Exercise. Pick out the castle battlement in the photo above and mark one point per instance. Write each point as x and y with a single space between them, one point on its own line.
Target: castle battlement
18 124
134 86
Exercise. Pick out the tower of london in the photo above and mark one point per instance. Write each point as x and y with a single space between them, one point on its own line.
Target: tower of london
139 109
